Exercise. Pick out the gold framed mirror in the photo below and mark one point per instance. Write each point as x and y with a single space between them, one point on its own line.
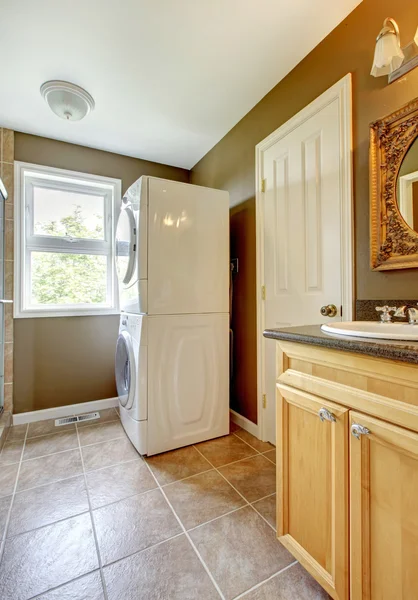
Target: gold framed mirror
394 190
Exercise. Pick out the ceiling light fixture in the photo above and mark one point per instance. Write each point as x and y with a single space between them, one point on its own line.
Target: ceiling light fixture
68 101
389 58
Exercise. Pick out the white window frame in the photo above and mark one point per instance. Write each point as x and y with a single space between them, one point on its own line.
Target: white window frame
26 241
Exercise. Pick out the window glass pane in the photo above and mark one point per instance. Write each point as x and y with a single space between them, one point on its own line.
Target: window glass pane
60 278
63 213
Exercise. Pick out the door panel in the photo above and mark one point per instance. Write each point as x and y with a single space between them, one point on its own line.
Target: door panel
302 231
310 528
188 379
384 511
312 486
302 214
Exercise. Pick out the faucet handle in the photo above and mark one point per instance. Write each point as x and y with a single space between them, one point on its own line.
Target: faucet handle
413 315
386 317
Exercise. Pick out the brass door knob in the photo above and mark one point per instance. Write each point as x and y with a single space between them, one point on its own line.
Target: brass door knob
330 310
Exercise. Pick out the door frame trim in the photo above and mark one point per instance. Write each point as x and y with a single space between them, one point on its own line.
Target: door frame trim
341 91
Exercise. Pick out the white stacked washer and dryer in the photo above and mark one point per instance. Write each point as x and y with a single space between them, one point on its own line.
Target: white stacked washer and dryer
172 354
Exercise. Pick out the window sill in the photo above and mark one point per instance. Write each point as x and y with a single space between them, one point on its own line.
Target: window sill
36 314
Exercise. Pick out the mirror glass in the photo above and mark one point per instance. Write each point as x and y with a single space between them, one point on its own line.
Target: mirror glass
407 187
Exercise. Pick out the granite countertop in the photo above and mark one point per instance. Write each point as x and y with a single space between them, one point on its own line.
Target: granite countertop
311 334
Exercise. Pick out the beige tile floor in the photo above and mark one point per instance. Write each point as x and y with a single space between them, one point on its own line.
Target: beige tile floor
84 517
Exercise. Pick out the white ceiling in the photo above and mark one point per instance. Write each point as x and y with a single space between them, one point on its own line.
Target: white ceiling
169 77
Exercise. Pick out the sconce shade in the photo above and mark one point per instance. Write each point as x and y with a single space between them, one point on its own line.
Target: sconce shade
388 55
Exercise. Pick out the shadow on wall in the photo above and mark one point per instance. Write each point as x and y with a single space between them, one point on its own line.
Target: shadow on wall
244 311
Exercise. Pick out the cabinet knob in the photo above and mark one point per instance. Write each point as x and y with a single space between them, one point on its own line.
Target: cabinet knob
358 430
330 310
325 415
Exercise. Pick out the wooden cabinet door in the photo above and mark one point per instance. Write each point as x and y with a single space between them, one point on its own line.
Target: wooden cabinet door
312 486
384 510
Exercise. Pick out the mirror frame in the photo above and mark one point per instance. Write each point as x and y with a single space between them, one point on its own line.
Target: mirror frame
393 244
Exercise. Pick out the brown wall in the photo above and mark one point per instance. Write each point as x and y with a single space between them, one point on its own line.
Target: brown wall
66 360
230 164
52 153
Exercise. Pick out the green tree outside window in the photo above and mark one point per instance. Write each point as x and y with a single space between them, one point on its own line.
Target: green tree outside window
61 278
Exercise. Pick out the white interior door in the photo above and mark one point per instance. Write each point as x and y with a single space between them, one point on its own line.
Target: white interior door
303 231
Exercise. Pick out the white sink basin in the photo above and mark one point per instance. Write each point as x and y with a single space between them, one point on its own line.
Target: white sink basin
373 329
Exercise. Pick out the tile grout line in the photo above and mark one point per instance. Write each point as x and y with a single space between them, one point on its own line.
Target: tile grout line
67 429
74 448
258 585
255 450
252 447
242 496
123 499
9 514
264 518
34 487
248 443
124 462
230 463
118 560
96 541
11 537
223 477
260 515
58 587
230 512
126 498
160 487
166 485
116 464
211 577
264 497
240 460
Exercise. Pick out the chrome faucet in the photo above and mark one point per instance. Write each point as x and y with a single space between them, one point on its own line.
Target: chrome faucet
408 311
385 316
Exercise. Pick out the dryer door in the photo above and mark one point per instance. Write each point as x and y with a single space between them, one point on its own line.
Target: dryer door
125 370
126 246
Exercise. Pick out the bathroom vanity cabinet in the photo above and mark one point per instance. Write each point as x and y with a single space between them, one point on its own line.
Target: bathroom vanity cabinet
347 468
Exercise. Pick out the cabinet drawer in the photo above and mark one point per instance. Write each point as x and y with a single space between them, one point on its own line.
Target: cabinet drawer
312 485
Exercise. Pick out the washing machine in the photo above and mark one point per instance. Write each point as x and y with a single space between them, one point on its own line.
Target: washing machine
131 378
170 380
172 357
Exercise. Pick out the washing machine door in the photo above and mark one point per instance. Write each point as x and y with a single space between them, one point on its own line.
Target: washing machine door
126 246
125 370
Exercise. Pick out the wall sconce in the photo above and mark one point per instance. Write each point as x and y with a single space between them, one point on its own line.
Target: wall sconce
389 58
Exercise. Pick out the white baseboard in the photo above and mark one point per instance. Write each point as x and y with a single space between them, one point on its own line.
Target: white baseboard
63 411
244 423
